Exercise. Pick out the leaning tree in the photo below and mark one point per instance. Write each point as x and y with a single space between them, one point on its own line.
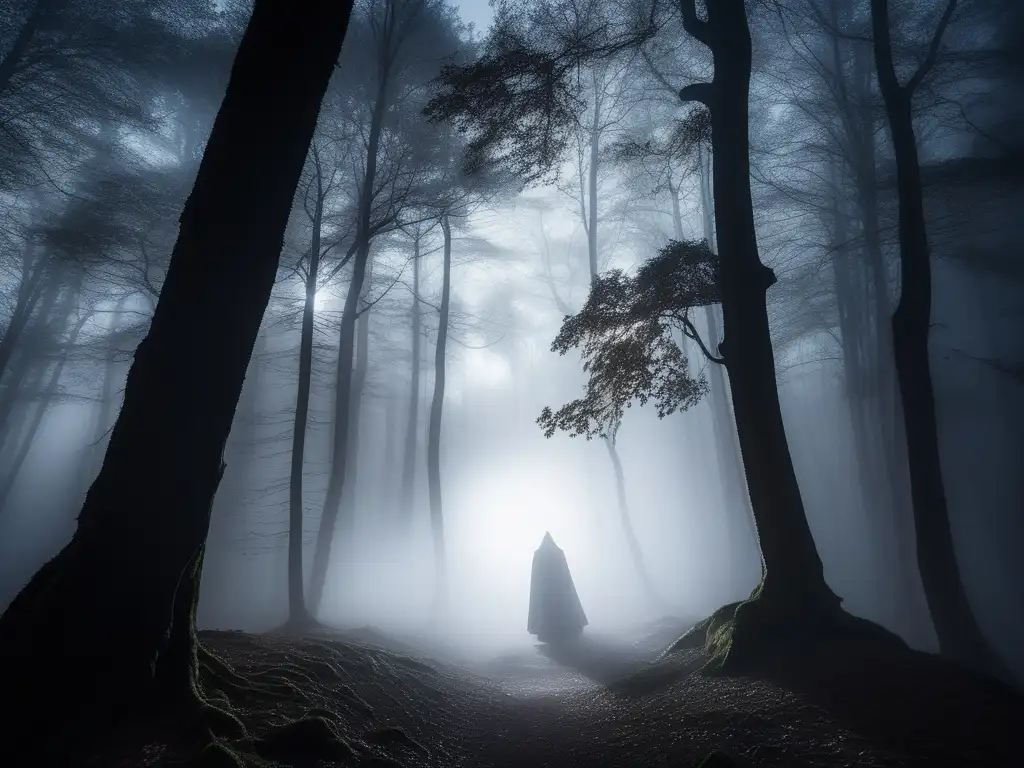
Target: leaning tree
107 627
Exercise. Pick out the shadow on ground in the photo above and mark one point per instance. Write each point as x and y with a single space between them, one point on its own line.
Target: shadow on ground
629 667
597 660
913 703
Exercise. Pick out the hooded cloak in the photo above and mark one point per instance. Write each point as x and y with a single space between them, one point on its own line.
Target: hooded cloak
555 609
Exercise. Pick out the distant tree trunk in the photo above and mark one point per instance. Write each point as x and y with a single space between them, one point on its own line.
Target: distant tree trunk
592 171
635 552
297 614
227 591
45 400
852 337
25 360
390 463
588 213
29 289
349 499
340 443
434 426
22 42
124 588
743 534
32 386
856 371
412 424
888 451
793 581
959 635
346 349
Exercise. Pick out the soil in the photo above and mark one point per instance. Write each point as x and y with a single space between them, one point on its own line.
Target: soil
370 699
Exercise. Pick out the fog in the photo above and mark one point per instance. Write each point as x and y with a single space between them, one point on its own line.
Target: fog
94 197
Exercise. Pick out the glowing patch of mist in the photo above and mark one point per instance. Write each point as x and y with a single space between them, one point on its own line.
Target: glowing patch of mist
323 300
486 368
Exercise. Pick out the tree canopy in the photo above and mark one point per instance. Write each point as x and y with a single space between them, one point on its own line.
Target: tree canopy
627 332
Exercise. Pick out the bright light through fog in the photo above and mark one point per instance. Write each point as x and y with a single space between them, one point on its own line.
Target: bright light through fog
485 368
499 519
521 503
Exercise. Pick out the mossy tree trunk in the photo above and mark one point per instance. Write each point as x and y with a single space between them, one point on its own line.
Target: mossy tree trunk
98 630
793 581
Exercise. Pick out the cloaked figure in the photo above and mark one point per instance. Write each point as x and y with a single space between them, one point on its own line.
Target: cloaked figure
556 615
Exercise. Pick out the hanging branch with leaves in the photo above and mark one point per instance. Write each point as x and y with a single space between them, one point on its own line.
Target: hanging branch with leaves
627 335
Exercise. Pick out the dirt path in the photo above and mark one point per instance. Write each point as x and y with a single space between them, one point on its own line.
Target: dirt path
396 706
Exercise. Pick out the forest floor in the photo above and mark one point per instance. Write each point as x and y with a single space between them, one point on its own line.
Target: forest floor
373 700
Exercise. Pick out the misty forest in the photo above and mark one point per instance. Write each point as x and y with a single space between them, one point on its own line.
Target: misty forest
533 383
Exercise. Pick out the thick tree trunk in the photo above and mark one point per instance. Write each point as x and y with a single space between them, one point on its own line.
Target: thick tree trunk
93 458
227 591
793 581
297 614
434 425
412 424
97 622
959 635
730 464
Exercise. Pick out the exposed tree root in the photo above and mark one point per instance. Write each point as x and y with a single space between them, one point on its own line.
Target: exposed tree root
217 754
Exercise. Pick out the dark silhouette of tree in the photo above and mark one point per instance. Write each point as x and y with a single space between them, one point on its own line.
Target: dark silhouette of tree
405 499
959 635
434 422
317 190
110 621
